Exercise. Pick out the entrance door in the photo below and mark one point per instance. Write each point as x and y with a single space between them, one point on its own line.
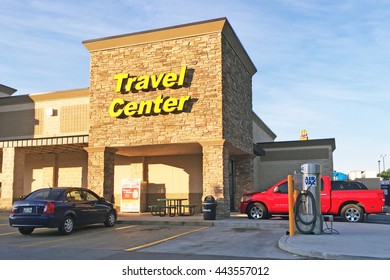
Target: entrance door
232 184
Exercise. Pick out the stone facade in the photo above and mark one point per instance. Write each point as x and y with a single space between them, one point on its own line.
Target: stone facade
237 100
202 119
101 171
218 115
216 176
245 178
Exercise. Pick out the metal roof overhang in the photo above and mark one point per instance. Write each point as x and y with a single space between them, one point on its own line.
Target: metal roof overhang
48 145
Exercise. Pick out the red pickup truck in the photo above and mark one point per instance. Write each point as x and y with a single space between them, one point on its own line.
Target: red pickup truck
350 200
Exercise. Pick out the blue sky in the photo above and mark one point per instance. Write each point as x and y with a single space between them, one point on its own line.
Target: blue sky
322 65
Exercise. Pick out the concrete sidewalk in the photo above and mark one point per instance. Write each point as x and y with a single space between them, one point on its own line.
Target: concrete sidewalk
353 241
235 221
348 240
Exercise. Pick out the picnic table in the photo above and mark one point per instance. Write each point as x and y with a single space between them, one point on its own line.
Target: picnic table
172 207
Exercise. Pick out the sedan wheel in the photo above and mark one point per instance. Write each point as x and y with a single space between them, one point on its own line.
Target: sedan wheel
257 211
110 220
67 226
26 230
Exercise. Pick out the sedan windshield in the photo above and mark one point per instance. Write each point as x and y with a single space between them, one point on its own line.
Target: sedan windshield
44 194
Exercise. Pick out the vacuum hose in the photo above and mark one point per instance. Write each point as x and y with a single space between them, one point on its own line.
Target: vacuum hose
299 219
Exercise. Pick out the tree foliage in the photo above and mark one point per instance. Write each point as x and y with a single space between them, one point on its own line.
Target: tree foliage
385 175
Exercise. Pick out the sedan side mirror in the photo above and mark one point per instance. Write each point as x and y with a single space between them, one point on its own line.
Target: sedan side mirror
102 199
276 190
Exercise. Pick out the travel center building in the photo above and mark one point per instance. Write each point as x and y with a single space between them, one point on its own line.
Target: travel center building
171 107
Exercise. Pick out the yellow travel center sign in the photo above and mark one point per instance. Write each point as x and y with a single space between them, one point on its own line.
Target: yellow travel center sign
126 83
149 82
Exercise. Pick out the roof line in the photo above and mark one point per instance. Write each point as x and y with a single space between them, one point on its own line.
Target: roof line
153 30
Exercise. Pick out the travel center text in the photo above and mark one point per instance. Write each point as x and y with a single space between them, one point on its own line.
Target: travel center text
126 83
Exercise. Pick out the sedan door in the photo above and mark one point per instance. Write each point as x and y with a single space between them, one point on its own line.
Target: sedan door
80 206
98 211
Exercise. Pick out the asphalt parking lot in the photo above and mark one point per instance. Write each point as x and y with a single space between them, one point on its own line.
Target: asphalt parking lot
93 242
158 239
125 241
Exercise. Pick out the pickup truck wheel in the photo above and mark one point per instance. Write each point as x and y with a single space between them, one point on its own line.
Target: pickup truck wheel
352 213
257 211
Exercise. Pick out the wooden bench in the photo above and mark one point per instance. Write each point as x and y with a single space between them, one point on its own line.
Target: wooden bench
187 210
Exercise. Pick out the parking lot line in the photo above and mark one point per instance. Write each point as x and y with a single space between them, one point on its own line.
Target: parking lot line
61 239
17 232
44 242
164 240
8 233
120 228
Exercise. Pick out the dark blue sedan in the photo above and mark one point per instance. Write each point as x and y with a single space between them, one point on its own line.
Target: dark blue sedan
62 208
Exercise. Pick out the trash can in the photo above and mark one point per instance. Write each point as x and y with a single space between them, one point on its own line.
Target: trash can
209 207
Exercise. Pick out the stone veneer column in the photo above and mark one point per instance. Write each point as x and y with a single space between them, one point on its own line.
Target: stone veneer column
244 177
13 175
216 175
101 162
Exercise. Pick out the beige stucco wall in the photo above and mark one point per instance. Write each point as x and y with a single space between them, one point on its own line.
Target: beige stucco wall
72 169
177 176
69 115
38 136
55 170
165 176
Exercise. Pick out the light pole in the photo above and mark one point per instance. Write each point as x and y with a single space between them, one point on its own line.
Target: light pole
379 166
383 160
